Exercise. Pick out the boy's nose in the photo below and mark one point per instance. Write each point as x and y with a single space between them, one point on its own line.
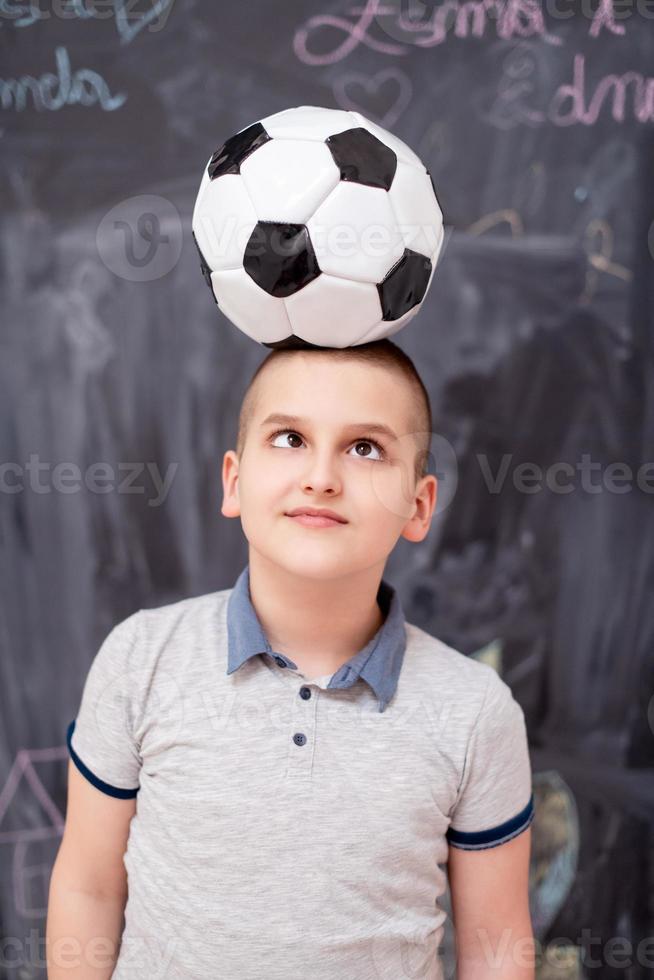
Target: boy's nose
321 476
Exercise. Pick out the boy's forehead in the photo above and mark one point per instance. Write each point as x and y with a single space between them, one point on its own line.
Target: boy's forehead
316 374
339 394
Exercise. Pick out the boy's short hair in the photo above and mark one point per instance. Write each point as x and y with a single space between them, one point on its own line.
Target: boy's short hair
383 353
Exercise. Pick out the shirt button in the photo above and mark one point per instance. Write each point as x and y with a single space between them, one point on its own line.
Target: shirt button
305 693
280 661
299 738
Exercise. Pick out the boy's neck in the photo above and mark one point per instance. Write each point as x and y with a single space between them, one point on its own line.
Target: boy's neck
318 624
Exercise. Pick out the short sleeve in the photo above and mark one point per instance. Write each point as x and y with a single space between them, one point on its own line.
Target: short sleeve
495 800
101 739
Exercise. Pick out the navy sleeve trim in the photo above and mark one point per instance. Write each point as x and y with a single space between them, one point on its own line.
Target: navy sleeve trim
122 794
496 835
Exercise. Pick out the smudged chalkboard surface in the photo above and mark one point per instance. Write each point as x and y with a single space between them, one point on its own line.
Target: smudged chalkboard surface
120 380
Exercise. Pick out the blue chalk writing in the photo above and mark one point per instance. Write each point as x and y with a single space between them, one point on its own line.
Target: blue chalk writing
54 91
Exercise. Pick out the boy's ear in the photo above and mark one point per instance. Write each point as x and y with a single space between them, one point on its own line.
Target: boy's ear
230 505
417 528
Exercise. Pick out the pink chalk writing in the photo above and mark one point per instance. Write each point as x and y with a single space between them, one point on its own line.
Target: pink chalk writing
355 34
508 18
29 817
350 87
569 103
511 18
604 17
630 95
517 84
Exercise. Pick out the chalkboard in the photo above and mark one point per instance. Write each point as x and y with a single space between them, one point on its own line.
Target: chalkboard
120 382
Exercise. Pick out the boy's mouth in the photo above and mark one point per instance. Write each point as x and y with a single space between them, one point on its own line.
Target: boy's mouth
316 516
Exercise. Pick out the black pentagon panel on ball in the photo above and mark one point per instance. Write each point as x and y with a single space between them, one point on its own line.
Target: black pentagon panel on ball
280 257
405 285
206 270
229 157
362 158
293 342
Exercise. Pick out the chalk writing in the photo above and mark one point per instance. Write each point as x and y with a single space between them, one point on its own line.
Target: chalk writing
51 816
604 17
129 29
569 103
437 145
516 85
508 18
507 216
25 13
21 14
355 34
350 86
598 245
28 814
54 91
627 96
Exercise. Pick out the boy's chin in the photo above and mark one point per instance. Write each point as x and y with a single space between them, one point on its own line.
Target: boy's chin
313 560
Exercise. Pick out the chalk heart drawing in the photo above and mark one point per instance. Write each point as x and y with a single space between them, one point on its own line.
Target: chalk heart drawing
389 88
129 27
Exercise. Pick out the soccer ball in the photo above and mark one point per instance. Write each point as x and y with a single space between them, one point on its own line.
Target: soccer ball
316 227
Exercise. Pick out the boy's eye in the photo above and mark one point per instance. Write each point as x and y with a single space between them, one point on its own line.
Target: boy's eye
369 442
287 433
290 433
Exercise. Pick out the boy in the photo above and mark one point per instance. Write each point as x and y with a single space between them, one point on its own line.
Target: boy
305 759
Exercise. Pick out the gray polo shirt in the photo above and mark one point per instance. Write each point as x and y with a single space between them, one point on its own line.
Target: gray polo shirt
289 827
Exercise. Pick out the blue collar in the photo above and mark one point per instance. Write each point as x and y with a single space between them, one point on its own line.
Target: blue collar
378 663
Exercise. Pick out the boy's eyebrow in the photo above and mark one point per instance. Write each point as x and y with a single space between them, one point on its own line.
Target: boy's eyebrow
294 420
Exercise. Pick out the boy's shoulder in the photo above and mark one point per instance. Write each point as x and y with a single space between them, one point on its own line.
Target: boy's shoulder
186 606
457 672
204 613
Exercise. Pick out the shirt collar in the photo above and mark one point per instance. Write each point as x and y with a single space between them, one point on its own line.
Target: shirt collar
378 663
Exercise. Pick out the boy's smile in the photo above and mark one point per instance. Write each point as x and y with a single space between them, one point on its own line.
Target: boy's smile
316 517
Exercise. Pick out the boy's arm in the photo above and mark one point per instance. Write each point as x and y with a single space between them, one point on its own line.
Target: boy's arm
489 889
490 842
88 886
83 935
